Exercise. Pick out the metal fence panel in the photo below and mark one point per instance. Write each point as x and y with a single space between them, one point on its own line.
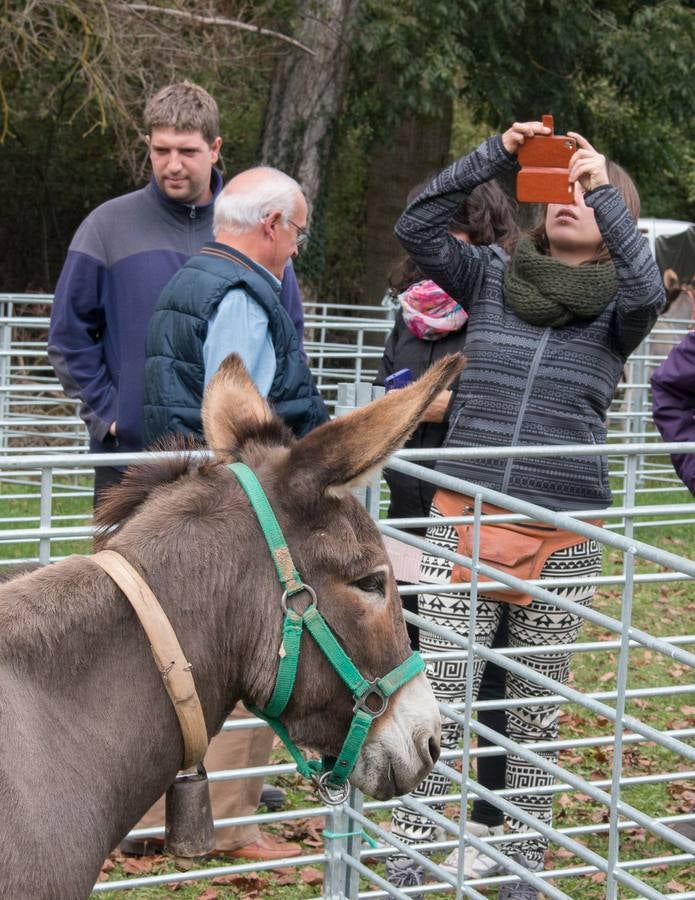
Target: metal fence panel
345 856
47 481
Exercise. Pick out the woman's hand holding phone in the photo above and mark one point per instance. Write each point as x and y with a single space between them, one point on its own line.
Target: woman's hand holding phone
515 136
587 165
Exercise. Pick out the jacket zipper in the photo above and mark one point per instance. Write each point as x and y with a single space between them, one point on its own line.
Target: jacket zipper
533 370
193 245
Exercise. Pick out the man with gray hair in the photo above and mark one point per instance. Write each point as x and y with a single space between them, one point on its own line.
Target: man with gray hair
226 300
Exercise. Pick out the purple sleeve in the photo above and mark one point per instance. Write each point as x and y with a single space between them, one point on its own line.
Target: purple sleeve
673 403
75 341
291 299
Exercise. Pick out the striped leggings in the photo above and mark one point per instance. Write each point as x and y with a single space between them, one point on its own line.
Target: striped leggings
539 624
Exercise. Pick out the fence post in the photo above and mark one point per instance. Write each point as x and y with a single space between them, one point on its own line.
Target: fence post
5 373
353 847
45 511
350 397
613 853
342 881
359 350
337 824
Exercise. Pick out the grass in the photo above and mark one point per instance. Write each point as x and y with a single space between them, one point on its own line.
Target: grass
20 505
660 609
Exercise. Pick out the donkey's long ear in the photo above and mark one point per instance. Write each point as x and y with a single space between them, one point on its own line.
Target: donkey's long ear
343 453
232 407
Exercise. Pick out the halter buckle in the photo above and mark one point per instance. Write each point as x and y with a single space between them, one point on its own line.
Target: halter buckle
305 587
331 794
374 691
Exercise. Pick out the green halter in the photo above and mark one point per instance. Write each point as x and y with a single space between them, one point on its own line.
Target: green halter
330 774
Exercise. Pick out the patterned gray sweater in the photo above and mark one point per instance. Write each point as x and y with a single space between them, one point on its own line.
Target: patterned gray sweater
526 384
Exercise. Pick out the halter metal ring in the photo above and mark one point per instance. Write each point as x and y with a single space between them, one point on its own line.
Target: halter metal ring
332 794
305 587
374 691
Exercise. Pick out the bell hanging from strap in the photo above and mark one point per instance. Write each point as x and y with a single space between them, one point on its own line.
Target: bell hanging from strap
189 830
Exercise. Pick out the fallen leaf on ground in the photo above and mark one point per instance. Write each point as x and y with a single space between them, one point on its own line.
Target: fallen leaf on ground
208 894
309 831
598 877
312 876
570 758
138 866
244 881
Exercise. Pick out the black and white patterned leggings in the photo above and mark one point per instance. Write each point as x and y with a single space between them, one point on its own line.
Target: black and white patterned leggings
540 624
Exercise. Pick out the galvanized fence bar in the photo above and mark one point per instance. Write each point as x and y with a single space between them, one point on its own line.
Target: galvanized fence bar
349 346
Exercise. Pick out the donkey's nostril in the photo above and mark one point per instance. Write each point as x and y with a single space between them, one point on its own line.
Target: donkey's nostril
433 747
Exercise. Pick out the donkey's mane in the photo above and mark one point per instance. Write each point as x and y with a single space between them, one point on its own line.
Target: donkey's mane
122 500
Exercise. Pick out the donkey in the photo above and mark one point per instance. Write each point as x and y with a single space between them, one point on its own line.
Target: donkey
88 736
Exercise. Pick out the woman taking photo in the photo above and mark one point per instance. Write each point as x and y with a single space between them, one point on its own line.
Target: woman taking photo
548 335
429 324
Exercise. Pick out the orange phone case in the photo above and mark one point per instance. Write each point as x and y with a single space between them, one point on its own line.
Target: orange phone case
544 174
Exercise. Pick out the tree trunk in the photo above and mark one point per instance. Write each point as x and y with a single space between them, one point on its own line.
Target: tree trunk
418 150
306 95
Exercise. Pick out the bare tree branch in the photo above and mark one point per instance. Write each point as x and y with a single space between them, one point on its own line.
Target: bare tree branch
217 20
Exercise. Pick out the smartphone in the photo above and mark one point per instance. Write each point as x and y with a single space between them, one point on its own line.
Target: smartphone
399 379
544 174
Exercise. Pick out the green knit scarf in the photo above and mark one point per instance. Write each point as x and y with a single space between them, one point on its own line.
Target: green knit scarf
544 291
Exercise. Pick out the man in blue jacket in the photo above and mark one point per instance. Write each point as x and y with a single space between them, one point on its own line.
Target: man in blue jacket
119 260
226 300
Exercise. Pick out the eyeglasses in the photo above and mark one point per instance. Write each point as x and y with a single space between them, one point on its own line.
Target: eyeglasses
302 233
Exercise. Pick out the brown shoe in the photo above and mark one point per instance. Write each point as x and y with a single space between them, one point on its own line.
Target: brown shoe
266 847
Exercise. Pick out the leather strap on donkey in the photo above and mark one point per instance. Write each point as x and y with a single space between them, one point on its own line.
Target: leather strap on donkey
167 652
371 697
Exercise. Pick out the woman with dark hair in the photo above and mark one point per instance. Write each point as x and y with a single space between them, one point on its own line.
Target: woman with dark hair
549 331
486 217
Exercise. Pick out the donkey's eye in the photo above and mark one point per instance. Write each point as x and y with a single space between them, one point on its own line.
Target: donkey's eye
374 583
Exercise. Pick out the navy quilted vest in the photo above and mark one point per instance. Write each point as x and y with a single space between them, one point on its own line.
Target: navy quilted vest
175 371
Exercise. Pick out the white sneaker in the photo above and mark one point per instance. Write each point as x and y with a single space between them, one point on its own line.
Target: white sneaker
476 864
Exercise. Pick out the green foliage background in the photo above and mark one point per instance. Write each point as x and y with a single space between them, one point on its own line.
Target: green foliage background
73 79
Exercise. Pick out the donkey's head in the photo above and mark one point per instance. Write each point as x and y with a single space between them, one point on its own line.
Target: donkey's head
338 551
